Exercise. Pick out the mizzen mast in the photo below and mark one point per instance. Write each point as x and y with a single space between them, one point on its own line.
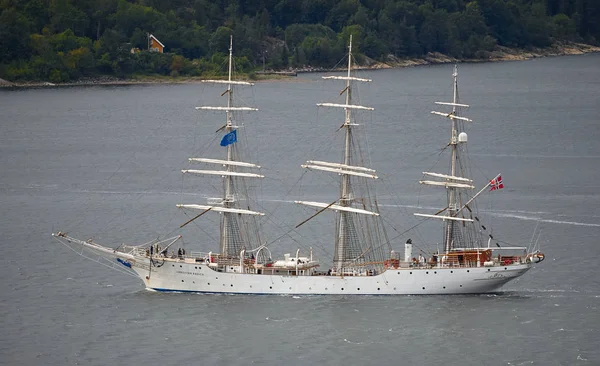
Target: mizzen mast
453 182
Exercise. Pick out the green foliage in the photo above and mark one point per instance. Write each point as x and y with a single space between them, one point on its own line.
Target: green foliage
62 40
131 16
562 27
65 16
296 33
14 35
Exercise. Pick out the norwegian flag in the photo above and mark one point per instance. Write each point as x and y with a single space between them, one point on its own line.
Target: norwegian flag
496 183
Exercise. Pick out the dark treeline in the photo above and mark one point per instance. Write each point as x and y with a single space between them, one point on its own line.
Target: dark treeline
62 40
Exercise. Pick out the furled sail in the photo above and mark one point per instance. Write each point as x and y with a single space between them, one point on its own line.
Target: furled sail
345 106
223 173
339 170
446 184
220 209
443 217
229 82
224 162
445 176
226 109
336 207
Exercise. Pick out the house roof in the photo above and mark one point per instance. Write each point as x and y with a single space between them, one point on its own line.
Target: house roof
156 39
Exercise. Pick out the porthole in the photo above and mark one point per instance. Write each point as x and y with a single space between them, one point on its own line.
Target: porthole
342 289
232 285
270 287
180 266
444 287
505 268
468 271
434 272
358 289
209 283
426 272
451 271
488 269
394 289
378 289
460 285
423 288
410 272
181 280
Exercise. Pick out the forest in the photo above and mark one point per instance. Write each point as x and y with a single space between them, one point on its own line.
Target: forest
65 40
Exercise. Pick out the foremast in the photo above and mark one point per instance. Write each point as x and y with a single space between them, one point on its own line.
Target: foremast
236 232
360 240
230 228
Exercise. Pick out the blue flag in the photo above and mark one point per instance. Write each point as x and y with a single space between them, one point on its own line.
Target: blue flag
229 138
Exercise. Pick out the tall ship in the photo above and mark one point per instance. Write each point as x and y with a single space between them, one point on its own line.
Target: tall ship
363 262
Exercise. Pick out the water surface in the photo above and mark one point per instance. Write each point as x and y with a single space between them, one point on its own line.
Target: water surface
104 162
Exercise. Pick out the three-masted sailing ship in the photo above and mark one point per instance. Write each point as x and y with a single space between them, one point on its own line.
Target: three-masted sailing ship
363 261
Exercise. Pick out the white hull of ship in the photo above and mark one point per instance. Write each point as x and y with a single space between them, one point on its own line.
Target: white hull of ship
186 275
191 277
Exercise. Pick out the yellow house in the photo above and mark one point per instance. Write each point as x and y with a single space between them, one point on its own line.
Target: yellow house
154 45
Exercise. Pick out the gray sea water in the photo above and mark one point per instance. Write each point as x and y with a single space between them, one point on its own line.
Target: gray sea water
104 162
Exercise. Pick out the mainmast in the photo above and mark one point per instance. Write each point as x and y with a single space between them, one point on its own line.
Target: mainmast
358 239
345 224
234 235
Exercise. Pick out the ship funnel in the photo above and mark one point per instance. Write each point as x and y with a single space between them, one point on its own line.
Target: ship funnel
408 251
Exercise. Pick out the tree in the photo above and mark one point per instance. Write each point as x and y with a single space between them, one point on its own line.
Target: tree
62 39
219 40
14 36
65 16
357 34
563 27
341 13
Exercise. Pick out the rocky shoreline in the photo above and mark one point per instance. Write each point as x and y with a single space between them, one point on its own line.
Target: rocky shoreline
499 54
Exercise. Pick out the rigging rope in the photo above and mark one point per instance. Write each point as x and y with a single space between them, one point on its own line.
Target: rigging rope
112 266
